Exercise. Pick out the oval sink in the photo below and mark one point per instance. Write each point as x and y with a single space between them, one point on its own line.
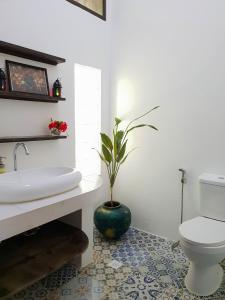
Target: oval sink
33 184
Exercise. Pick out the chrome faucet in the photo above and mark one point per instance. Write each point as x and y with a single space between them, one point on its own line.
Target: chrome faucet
14 153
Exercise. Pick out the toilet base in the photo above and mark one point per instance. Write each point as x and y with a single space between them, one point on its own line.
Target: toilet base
203 280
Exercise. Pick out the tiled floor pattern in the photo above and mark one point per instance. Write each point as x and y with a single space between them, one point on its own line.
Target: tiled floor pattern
149 271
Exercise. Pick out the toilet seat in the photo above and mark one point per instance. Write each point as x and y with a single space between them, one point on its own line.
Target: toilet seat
203 232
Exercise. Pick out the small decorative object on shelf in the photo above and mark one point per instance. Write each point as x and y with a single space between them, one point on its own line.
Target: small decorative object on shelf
27 79
57 88
2 80
56 127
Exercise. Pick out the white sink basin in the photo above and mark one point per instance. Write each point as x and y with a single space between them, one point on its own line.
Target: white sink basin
33 184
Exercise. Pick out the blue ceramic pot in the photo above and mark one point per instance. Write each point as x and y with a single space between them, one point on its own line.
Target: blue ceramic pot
112 221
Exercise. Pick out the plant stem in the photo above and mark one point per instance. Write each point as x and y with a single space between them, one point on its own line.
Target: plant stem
108 169
132 121
111 195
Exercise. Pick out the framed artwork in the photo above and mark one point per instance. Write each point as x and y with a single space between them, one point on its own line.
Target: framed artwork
95 7
27 79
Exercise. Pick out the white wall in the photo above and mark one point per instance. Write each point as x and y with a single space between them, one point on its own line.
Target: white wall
170 53
56 27
167 53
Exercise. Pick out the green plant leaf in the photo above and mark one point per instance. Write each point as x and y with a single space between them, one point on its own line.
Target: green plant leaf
100 155
127 155
145 114
118 121
106 153
112 179
114 144
119 136
106 141
142 125
122 152
124 159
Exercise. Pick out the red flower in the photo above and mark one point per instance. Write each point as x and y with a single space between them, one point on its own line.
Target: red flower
52 125
63 126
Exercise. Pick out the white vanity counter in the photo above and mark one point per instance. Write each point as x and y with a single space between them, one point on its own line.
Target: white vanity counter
19 217
87 185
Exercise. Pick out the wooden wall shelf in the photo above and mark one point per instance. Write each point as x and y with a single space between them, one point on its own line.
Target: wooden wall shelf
27 259
29 97
27 53
15 139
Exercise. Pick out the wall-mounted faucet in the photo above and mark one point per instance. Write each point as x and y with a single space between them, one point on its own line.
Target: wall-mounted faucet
14 153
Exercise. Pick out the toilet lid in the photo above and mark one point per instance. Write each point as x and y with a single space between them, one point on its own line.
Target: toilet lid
203 231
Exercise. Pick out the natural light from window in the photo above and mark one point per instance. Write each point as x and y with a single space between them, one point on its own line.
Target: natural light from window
87 119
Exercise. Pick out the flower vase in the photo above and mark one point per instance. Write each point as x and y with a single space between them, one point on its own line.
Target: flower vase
55 131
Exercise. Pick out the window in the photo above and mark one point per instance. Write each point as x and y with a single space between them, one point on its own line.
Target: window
87 119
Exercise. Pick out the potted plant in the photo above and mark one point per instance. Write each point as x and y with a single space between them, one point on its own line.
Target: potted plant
57 127
112 218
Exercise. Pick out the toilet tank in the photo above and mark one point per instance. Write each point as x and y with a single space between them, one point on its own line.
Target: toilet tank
212 196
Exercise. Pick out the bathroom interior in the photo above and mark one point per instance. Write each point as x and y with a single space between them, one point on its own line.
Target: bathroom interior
112 169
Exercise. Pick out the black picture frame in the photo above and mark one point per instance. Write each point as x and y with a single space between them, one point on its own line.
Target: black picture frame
21 78
101 16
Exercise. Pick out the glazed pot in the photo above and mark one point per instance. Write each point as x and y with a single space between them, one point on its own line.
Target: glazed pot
112 220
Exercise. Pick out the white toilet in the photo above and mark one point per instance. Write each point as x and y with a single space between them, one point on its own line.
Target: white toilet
203 238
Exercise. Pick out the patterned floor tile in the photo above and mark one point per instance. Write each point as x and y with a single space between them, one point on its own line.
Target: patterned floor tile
150 270
141 287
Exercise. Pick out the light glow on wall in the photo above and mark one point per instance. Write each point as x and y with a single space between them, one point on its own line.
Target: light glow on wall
125 98
87 119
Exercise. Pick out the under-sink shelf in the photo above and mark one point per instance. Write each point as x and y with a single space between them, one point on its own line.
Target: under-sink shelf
27 259
15 139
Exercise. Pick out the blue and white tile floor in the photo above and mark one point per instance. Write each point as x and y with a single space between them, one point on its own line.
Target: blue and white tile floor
149 271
